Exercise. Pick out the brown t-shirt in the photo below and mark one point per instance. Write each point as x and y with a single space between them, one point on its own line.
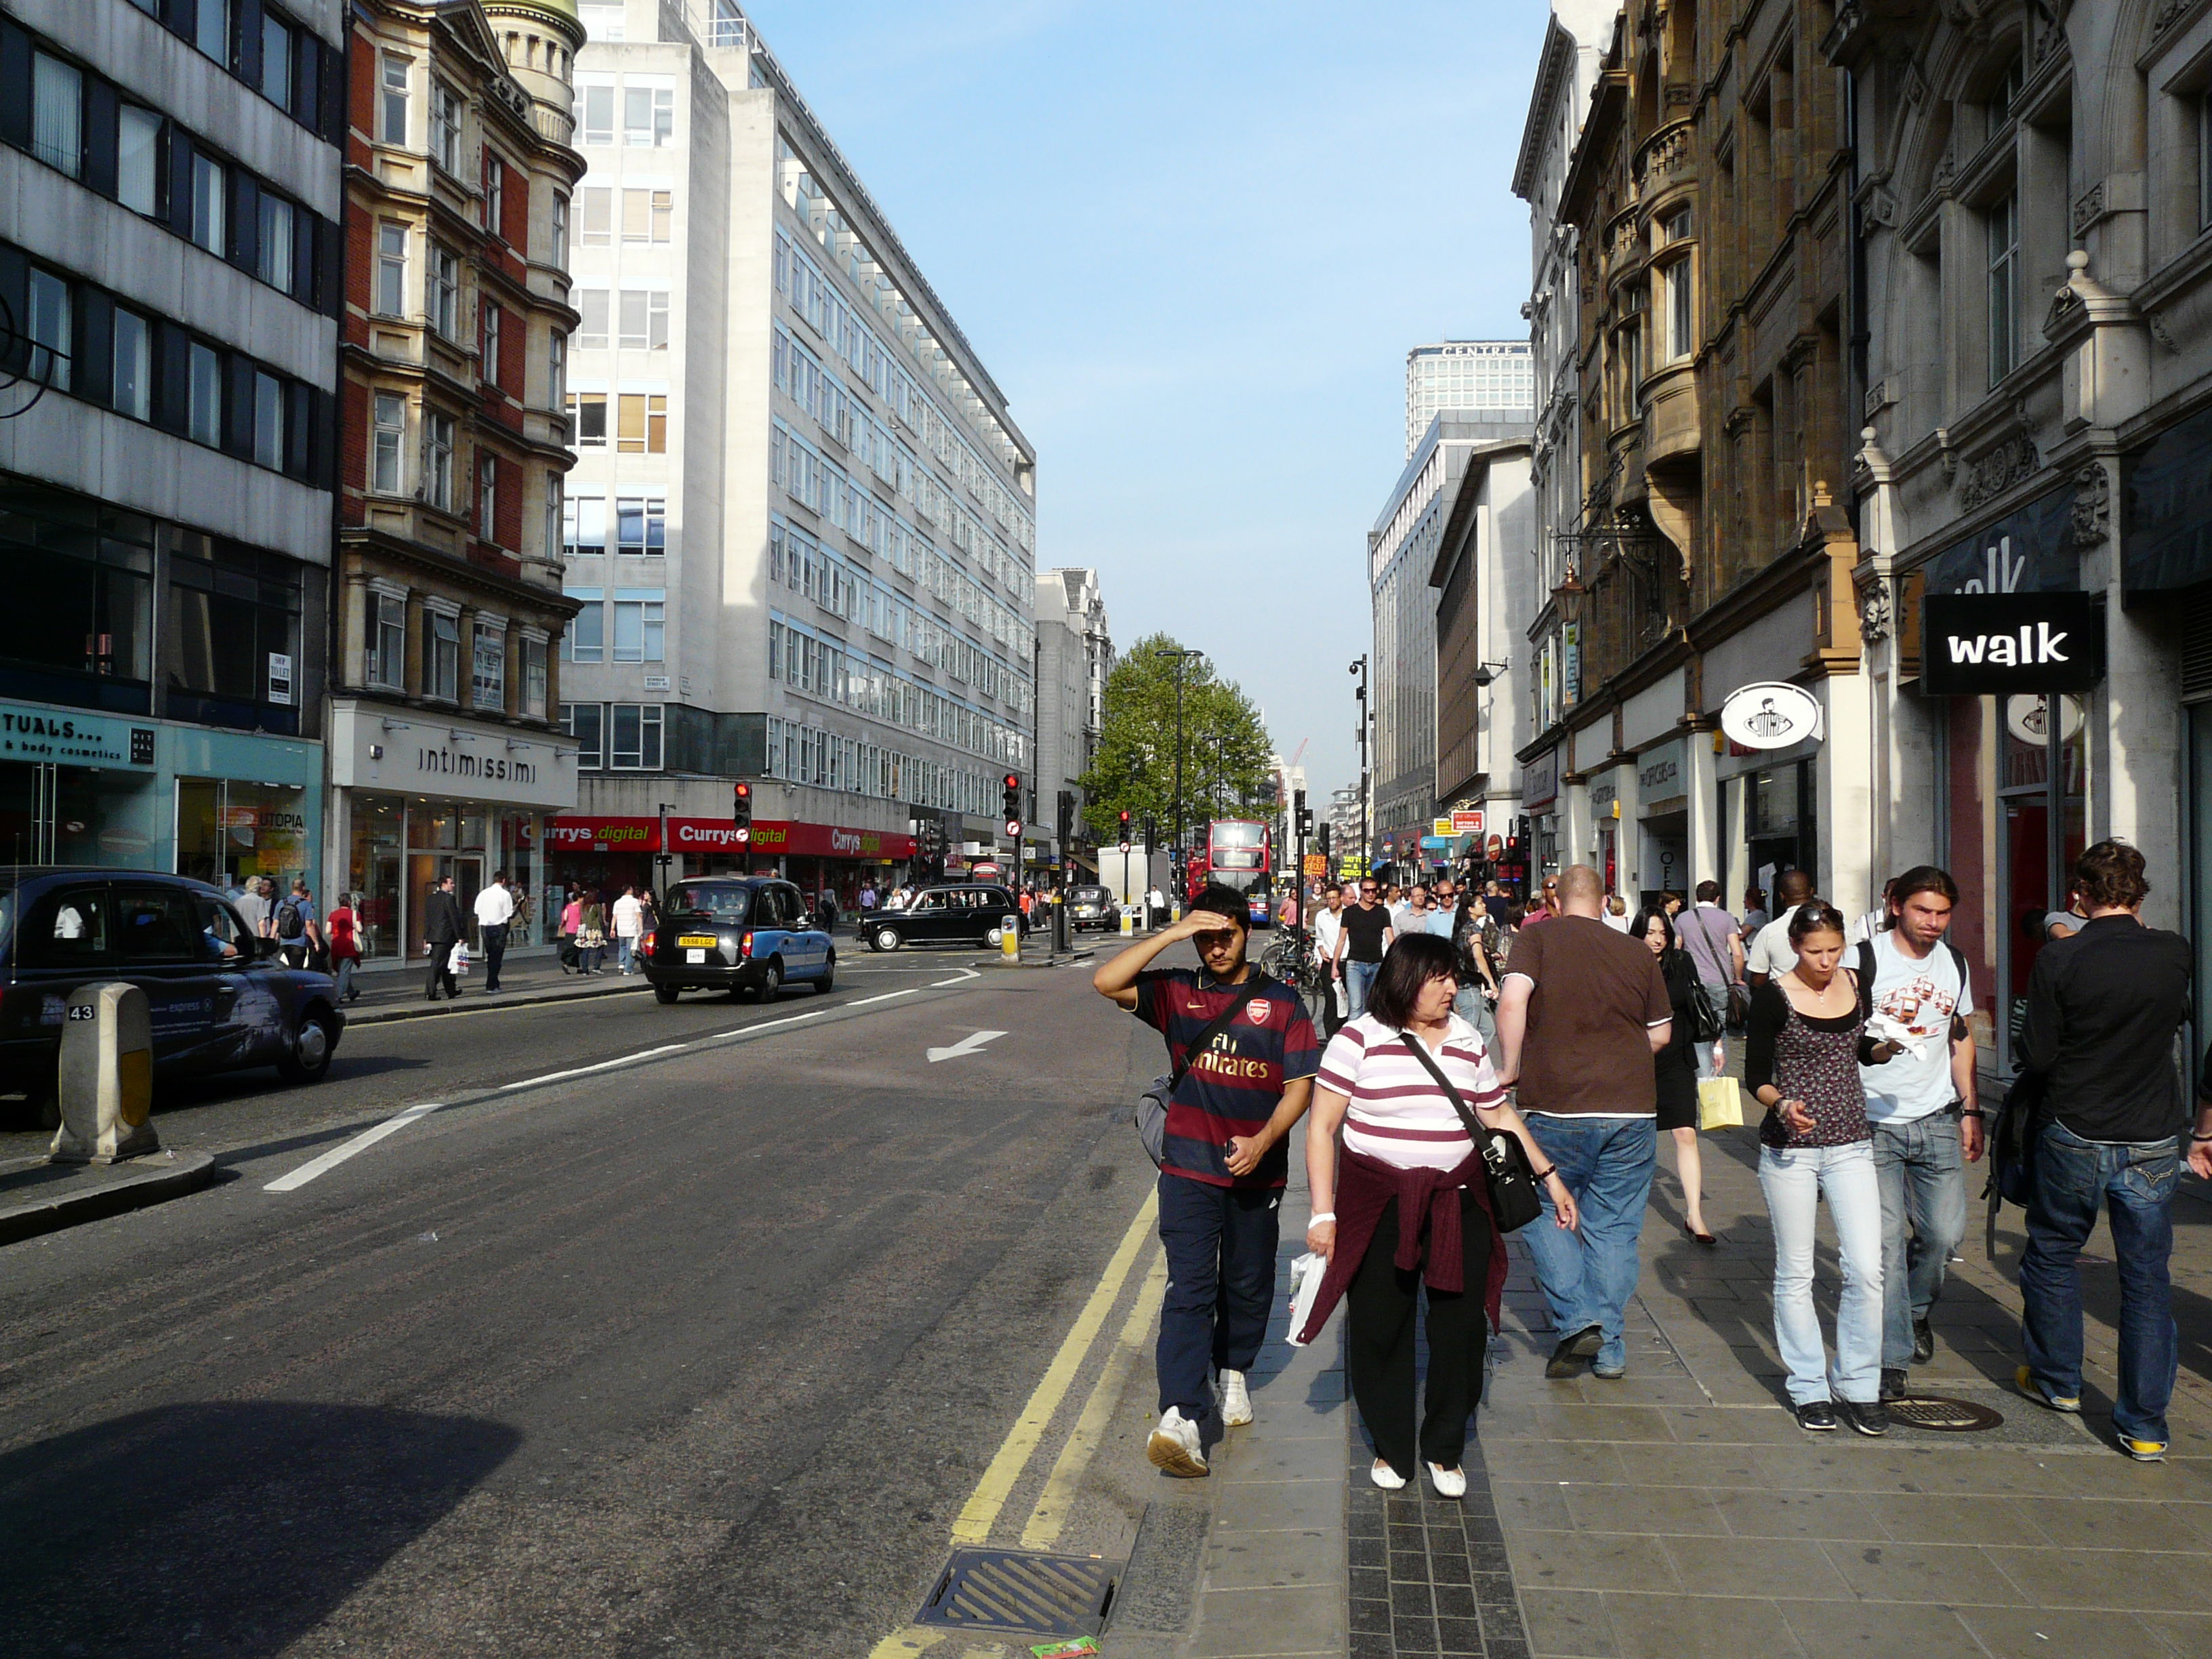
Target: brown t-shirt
1597 994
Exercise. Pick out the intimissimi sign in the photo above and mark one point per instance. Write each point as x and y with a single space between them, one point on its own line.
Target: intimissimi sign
454 763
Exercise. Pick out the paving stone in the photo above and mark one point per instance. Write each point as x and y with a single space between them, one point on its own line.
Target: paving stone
1646 1627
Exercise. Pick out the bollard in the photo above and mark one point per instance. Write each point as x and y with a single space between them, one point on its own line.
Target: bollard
106 1077
1010 938
1128 924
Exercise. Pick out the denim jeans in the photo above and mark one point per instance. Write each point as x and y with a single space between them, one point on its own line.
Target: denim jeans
1357 977
1220 1243
343 971
1795 1180
1588 1274
2134 1183
1924 1181
1471 1005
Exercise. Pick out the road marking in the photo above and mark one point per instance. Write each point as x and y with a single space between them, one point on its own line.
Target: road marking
971 1044
602 1066
361 1143
885 997
1059 1495
982 1511
965 973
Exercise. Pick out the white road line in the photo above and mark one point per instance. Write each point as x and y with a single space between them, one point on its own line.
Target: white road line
885 997
361 1143
963 975
602 1066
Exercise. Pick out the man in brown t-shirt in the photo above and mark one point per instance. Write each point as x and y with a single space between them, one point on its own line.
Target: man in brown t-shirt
1583 1011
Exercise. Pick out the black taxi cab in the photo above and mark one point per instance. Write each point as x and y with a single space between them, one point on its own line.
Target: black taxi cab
972 913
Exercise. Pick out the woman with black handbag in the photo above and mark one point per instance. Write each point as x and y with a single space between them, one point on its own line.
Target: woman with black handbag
1697 1024
1436 1164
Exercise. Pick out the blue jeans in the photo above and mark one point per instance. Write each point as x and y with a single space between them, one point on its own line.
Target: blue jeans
1357 977
1588 1274
2135 1185
1220 1243
1795 1180
1471 1005
1924 1181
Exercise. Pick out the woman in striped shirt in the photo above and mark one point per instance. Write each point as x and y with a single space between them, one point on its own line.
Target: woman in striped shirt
1408 1202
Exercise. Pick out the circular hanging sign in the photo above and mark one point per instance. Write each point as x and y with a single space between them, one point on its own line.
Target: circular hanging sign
1770 715
2028 718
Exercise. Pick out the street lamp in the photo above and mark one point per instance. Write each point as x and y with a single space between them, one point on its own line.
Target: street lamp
1359 671
1182 656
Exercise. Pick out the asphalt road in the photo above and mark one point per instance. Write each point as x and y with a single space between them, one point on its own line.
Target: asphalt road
697 1354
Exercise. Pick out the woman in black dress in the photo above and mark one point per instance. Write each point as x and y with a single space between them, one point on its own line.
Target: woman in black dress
1676 1065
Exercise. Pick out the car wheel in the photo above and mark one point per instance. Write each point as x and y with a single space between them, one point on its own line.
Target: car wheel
886 939
771 985
663 995
991 938
309 1060
823 986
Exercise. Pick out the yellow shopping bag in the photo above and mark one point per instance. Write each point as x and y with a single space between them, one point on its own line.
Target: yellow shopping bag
1720 1103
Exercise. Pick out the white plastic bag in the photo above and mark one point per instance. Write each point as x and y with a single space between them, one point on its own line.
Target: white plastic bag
459 962
1306 1273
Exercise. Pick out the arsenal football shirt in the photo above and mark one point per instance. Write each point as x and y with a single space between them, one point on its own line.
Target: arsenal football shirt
1234 1086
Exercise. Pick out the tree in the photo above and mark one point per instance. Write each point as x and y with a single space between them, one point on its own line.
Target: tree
1225 774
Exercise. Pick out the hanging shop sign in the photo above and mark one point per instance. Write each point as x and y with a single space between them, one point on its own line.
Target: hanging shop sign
1466 822
2028 719
2001 644
1540 780
1770 715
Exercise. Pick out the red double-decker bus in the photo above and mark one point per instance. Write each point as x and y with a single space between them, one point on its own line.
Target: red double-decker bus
1239 854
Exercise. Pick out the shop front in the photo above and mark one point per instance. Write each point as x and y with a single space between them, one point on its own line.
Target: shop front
1662 813
414 800
1539 796
1603 793
603 854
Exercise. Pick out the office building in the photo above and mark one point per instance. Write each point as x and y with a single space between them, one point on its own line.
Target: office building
1075 653
1478 377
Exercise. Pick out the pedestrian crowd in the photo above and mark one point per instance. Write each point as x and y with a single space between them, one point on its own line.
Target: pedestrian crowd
1486 1066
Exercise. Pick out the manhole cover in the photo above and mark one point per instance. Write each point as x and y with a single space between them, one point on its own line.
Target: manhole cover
1928 1410
1022 1593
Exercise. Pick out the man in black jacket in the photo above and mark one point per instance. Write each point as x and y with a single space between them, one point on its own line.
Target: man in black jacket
441 931
2103 1006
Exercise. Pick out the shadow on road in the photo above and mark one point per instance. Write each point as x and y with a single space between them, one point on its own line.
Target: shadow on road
220 1529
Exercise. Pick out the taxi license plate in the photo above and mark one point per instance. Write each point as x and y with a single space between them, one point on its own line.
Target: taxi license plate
703 942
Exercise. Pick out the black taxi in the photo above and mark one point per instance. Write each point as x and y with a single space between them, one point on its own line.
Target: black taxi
974 913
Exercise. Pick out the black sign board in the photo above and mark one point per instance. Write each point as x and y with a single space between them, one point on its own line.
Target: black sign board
1997 644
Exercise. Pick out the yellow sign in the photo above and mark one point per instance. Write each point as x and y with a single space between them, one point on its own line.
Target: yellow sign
1440 826
1316 864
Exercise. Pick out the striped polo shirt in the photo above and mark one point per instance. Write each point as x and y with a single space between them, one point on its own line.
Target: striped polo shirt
1398 1114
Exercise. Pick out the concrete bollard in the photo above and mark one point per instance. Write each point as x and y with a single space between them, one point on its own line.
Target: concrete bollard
1128 924
1010 938
106 1077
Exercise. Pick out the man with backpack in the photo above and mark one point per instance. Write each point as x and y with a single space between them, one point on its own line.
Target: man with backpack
297 932
1915 994
1244 1055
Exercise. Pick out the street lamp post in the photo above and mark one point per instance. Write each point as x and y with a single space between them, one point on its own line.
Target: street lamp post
1182 657
1359 669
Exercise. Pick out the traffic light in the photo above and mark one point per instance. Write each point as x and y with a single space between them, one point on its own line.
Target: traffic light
1014 797
1321 840
741 811
1066 817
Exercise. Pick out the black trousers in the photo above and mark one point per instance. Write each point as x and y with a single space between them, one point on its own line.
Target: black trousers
493 935
441 972
1379 1345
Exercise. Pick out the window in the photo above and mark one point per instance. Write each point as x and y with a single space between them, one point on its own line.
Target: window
560 230
268 420
275 251
392 101
488 669
132 393
584 526
203 412
446 127
598 115
488 497
640 525
387 640
643 429
444 292
212 35
438 461
392 269
1680 321
537 677
443 673
138 159
598 216
587 638
56 114
276 60
587 416
487 351
634 737
388 431
2003 223
644 319
208 199
50 330
557 370
648 115
591 306
637 625
233 609
496 196
586 722
645 215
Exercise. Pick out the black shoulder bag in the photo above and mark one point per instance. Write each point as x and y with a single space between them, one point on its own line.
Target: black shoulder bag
1514 1202
1152 1104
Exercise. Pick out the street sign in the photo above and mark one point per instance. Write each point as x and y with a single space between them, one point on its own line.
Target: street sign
1495 848
1014 827
1125 845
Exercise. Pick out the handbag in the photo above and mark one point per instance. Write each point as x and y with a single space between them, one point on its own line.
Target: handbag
1152 1115
1720 1103
1705 1020
1514 1200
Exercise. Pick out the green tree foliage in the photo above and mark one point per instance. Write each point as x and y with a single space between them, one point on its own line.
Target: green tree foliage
1224 745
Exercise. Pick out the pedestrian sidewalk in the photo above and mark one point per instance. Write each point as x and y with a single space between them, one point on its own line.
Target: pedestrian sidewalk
1681 1512
390 994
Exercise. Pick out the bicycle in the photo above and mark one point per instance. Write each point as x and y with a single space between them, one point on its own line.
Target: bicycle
1290 959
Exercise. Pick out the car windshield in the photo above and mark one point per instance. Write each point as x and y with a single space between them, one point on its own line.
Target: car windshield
1087 895
724 901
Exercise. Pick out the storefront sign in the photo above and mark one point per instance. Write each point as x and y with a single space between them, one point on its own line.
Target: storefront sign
1605 795
70 737
1466 822
2029 551
578 834
1659 772
1975 644
830 840
1540 780
464 760
575 835
1439 828
1770 715
1436 846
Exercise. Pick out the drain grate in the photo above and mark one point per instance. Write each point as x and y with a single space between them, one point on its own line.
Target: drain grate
1022 1593
1929 1411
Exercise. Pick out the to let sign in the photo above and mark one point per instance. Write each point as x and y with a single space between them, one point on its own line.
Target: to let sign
2000 644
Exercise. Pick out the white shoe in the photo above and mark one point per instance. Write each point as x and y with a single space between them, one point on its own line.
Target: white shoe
1236 1400
1174 1448
1386 1477
1449 1483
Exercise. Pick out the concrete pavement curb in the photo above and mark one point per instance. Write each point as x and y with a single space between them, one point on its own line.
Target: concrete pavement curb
165 1176
480 1000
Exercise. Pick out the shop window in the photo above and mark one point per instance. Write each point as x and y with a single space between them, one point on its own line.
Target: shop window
65 929
634 737
442 677
228 832
586 723
80 587
233 651
387 640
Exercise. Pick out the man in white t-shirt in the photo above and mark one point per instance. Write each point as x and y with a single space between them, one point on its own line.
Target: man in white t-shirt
1916 993
629 923
1328 951
495 908
1772 955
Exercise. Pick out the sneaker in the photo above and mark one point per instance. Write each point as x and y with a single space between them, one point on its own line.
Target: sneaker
1612 1370
1868 1417
1452 1483
2143 1451
1386 1477
1817 1416
1236 1400
1893 1383
1174 1448
2068 1403
1568 1357
1924 1342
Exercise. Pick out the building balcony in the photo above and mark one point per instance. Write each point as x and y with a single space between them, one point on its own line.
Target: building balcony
1665 161
1671 428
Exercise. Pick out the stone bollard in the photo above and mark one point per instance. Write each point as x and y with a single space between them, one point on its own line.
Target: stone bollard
106 1077
1128 924
1010 938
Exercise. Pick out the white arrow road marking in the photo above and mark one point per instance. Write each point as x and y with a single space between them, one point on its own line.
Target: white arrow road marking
972 1043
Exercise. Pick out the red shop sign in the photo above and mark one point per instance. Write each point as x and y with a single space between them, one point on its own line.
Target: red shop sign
830 841
595 835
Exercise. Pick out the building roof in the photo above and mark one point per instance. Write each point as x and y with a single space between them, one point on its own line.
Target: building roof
563 11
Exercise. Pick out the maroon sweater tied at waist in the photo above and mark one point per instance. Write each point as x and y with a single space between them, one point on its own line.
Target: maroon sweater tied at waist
1428 1212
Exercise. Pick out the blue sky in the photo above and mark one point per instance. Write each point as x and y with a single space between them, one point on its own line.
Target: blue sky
1192 243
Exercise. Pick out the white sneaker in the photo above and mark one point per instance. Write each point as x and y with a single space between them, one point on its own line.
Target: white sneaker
1236 1400
1174 1448
1449 1483
1386 1477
